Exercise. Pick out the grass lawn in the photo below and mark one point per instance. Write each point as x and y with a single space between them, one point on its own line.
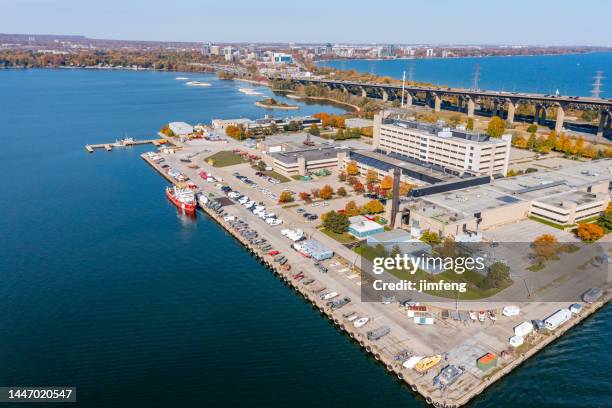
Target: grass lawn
344 238
278 176
537 267
550 223
471 278
225 158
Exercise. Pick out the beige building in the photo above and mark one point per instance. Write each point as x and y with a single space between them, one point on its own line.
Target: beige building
458 150
564 196
302 162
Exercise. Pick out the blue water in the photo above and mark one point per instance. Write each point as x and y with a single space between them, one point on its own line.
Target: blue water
571 74
106 288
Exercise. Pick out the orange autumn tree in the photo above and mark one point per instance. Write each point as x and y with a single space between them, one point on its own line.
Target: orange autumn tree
589 232
545 247
326 192
386 183
351 209
352 169
285 197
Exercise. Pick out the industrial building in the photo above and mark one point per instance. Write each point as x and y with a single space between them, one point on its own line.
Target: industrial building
457 150
564 196
180 128
257 126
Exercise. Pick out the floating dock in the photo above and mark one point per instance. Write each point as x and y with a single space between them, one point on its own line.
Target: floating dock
109 146
383 353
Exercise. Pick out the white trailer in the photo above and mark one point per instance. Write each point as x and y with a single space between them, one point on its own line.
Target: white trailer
557 319
523 329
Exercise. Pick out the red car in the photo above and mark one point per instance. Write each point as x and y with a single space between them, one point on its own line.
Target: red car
272 253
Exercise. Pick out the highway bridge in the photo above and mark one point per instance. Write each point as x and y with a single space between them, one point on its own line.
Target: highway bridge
504 103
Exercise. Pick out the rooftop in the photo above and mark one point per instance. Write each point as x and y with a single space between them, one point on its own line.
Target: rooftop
439 130
321 153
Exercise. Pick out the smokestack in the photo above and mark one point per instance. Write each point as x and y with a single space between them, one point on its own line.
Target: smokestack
397 173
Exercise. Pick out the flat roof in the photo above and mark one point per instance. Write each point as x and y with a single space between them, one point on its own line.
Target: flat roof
551 187
321 153
432 129
424 168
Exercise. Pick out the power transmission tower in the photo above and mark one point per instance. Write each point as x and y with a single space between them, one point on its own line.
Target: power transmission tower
476 77
596 91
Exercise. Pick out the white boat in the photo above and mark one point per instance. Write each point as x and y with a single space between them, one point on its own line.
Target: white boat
293 96
511 310
360 322
411 362
181 78
329 295
351 318
197 83
473 316
248 91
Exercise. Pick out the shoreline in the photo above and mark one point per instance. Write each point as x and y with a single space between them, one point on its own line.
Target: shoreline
280 107
381 354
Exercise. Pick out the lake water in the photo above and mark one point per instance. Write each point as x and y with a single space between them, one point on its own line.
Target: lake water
571 74
106 288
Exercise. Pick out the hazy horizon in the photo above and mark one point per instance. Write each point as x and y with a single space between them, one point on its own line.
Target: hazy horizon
564 23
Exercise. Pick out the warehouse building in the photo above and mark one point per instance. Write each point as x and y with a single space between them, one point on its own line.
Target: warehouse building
180 128
564 196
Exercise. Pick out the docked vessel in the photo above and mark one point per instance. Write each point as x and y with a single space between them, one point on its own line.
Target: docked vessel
183 198
428 362
378 333
592 295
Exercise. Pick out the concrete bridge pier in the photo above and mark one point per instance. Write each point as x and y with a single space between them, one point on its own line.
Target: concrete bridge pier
408 99
364 94
385 95
437 102
540 113
605 122
560 118
511 111
470 107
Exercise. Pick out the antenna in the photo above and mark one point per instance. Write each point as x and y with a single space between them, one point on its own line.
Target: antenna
596 91
475 77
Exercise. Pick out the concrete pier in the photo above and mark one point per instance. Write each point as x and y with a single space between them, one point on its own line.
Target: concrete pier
401 337
109 146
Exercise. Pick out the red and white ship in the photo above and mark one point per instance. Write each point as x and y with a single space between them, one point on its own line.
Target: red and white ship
183 198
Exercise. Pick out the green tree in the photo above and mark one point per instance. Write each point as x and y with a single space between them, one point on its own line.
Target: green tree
532 128
261 165
498 276
336 222
430 237
496 127
314 130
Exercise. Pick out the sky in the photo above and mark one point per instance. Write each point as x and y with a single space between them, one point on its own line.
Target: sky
530 22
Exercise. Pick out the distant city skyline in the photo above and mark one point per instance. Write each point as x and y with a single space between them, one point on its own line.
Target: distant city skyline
419 22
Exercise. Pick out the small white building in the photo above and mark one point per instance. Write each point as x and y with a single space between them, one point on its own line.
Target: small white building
361 227
180 128
523 329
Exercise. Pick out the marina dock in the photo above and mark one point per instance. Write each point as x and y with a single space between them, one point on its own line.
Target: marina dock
123 143
385 349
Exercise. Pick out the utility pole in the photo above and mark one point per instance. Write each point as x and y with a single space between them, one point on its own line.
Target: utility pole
596 91
403 84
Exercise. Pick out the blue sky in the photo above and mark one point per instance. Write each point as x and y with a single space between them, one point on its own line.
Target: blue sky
555 22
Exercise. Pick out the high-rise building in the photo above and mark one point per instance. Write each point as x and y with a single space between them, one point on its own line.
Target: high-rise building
206 48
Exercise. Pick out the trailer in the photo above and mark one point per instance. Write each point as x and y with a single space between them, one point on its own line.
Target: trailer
557 319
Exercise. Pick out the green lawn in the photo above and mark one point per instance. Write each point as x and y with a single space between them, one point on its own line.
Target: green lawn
278 176
344 238
550 223
225 158
471 278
